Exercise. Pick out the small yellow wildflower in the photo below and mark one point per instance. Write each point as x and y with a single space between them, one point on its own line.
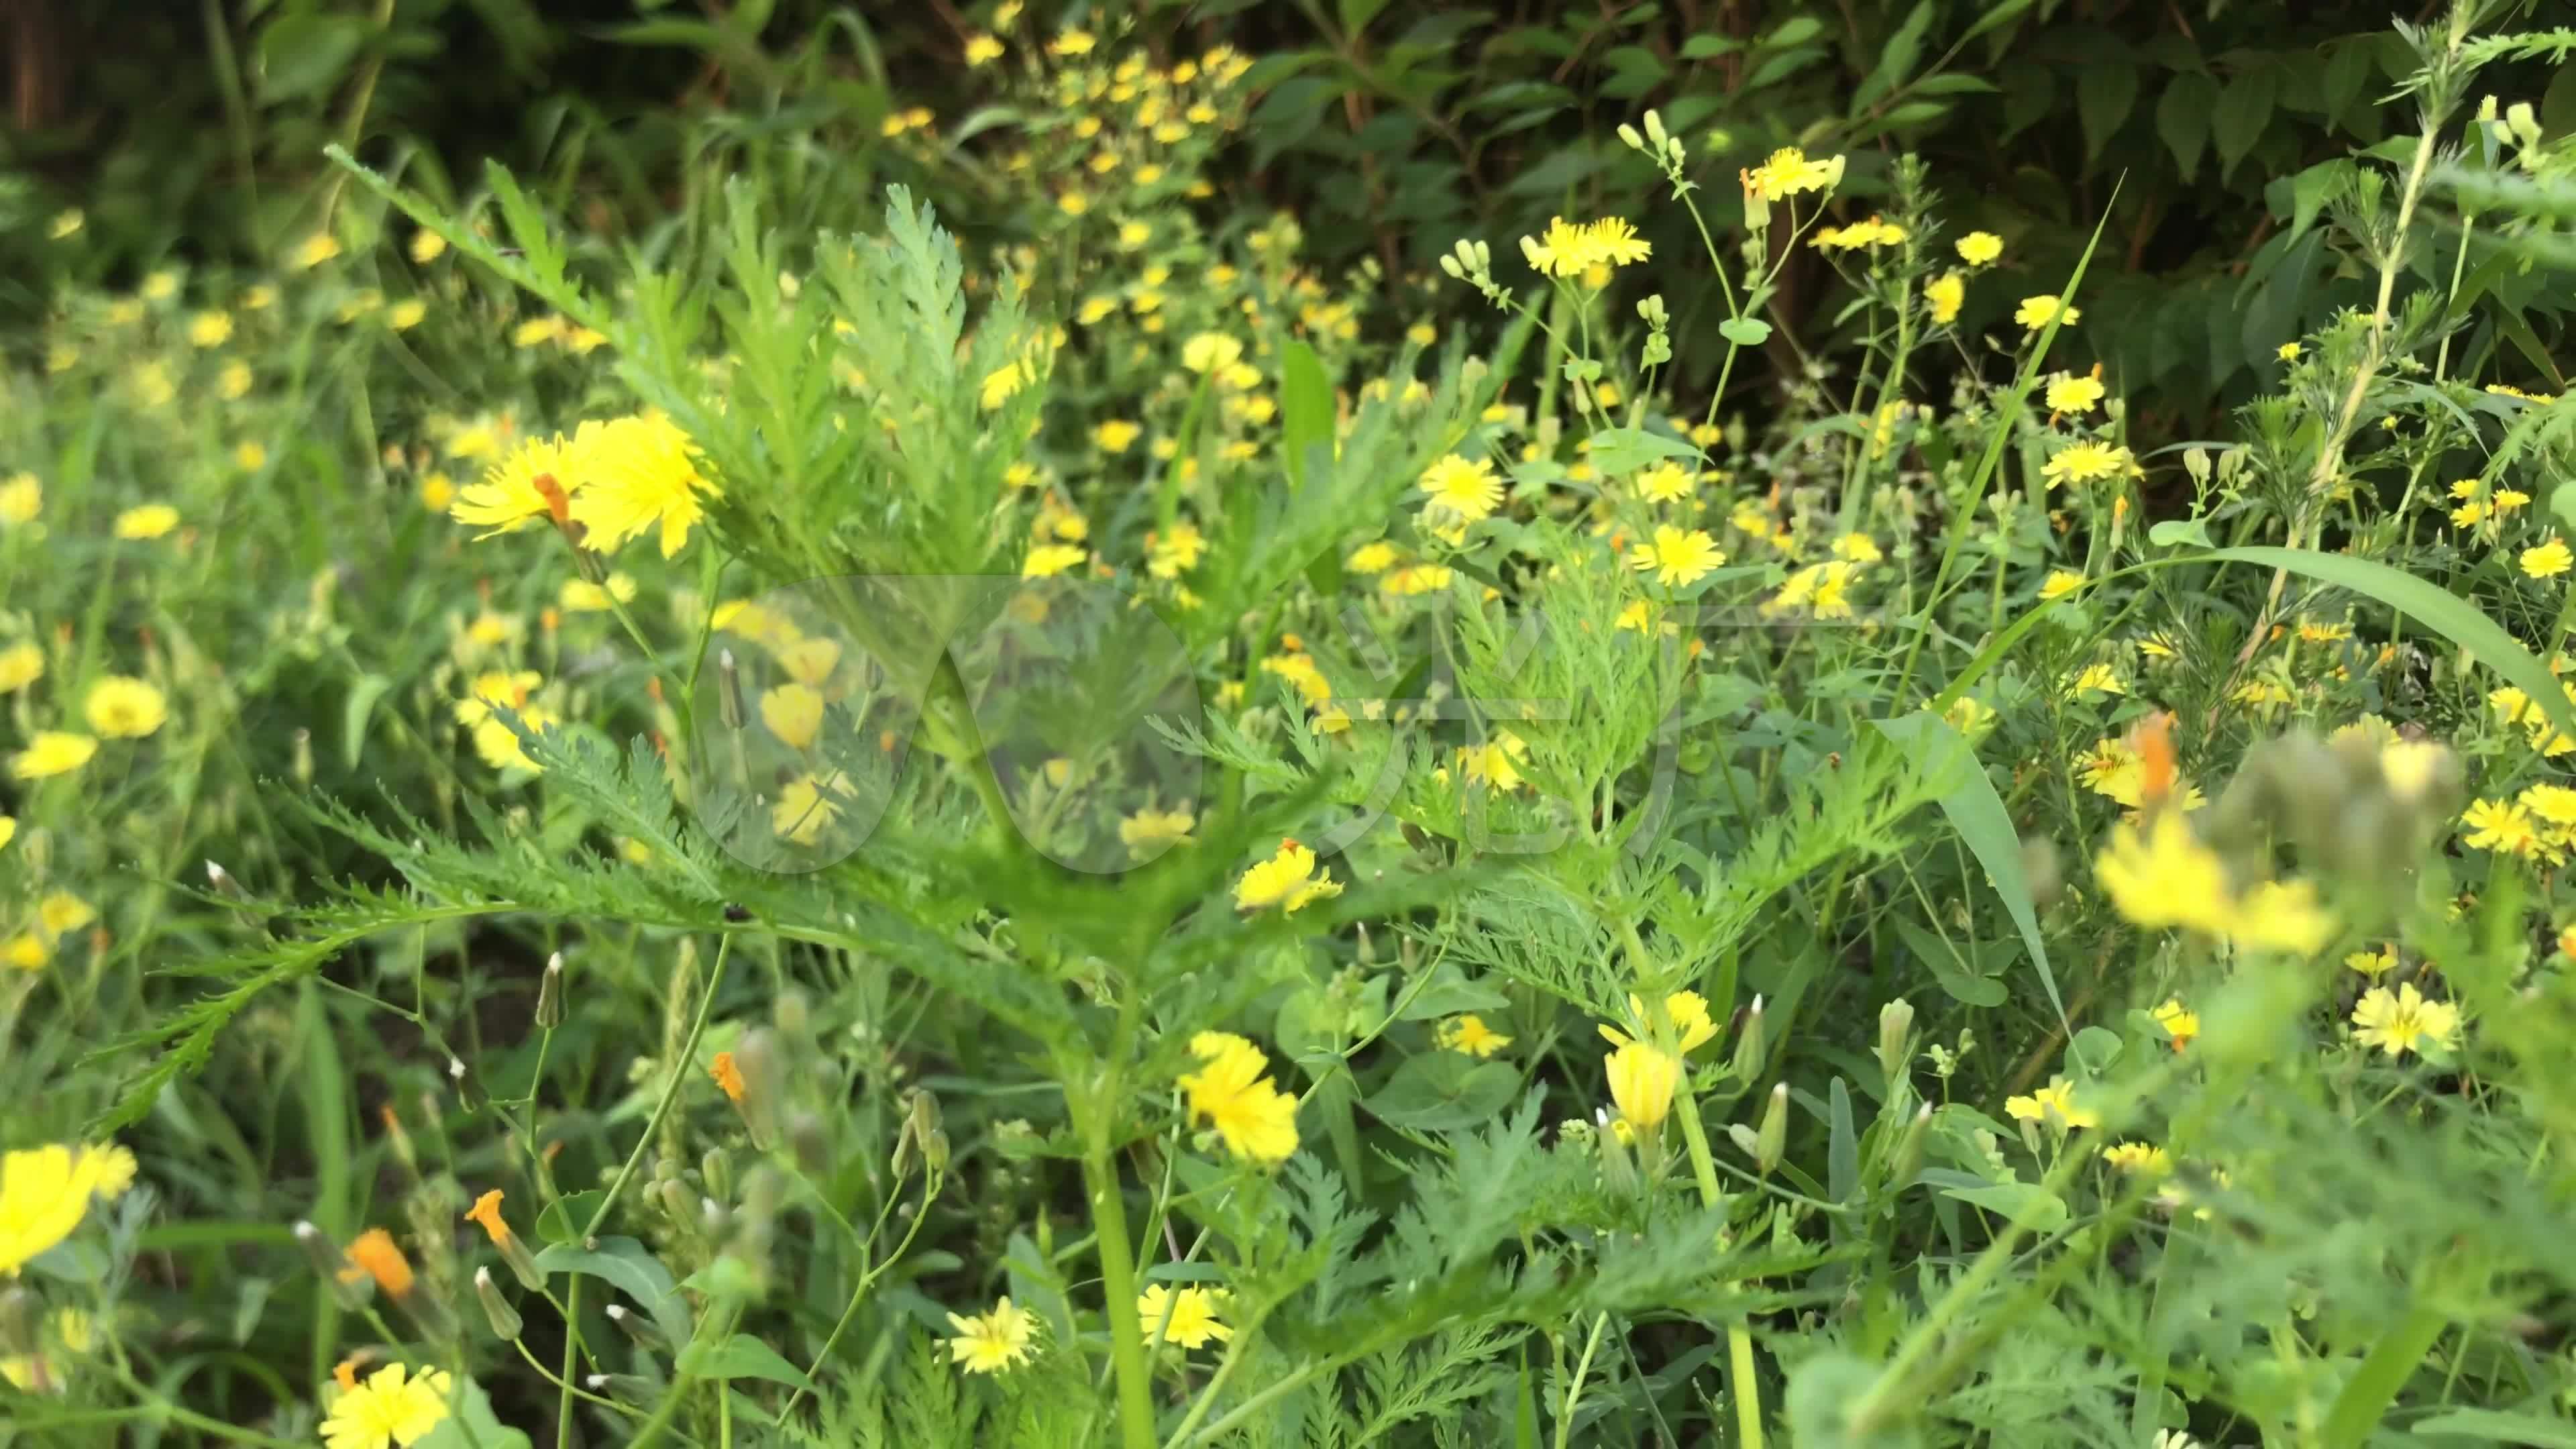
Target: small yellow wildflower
1186 1317
990 1342
1678 557
2052 1105
1469 1036
2547 560
1286 880
2037 312
2407 1021
1945 294
1231 1092
150 520
1979 248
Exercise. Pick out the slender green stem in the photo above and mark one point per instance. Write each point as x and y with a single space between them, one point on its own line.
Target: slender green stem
1117 1260
1574 1390
868 1278
565 1384
670 1089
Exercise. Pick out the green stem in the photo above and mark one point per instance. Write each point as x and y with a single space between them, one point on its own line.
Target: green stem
1117 1262
670 1090
1574 1391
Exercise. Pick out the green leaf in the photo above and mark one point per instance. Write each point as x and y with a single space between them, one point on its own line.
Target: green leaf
2383 1372
633 1269
2104 95
2493 1427
1625 450
1948 970
1306 407
1842 1146
1356 15
2562 501
2093 1050
2175 531
361 707
1443 1092
1896 58
563 1219
2244 108
1706 47
2431 605
471 1424
2026 1203
740 1357
1450 997
1978 814
2008 11
1745 331
2182 118
301 53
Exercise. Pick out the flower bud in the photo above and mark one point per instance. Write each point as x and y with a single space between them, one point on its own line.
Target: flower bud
1773 1140
620 1386
496 1309
1744 1139
223 883
1895 1036
645 1332
679 1202
809 1141
349 1285
728 690
1449 264
1909 1150
793 1015
2486 108
1655 130
1628 137
1749 1044
763 1081
303 760
1618 1169
550 1001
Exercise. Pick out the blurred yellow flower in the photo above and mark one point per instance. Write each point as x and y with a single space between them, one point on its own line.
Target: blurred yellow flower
210 329
1187 1317
642 476
2052 1105
124 709
1231 1093
1979 248
20 665
794 713
314 250
2037 312
22 497
2406 1021
1675 557
150 520
991 1342
1944 294
1287 880
50 753
983 50
1469 1036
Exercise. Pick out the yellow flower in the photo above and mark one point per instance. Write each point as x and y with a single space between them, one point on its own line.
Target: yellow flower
52 752
44 1193
500 748
1665 482
1072 42
21 499
984 50
1176 552
406 315
1685 1011
2282 916
2165 877
2088 462
990 1342
794 713
2287 352
2405 1022
1417 579
1858 548
390 1408
2509 499
150 520
60 913
2052 1105
26 951
1945 294
2037 312
1563 250
1676 557
1979 248
1461 489
1494 763
1149 830
537 479
2469 514
2373 963
65 223
20 666
1469 1035
2097 678
1003 382
314 250
1049 559
8 830
1116 435
1232 1093
210 329
234 382
581 596
1643 1078
2180 1023
2547 560
1187 1317
1787 172
2501 826
2060 583
1211 352
2068 393
2143 1157
1614 241
1371 558
806 807
642 474
1286 880
124 709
